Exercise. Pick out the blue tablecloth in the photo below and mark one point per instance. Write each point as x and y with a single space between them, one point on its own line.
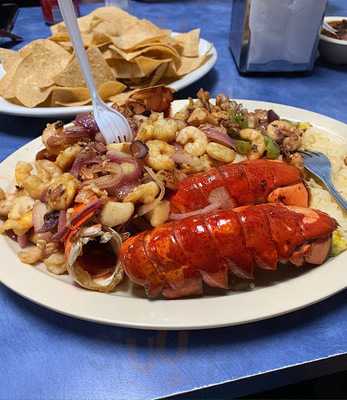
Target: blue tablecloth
48 356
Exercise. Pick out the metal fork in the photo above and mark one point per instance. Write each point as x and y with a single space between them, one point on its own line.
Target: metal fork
113 126
319 165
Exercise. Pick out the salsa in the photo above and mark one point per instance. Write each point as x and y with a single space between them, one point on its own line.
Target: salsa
341 28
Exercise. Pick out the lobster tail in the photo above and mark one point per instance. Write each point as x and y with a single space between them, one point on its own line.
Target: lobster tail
247 182
176 258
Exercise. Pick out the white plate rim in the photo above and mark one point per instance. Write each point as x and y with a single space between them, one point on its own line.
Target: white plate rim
198 313
62 112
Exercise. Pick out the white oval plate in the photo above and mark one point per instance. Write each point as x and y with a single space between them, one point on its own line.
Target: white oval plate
128 307
62 112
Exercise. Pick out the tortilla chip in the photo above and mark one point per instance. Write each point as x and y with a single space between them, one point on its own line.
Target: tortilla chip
140 68
45 60
7 86
78 96
100 39
60 37
116 16
186 65
125 70
70 96
121 98
148 65
63 37
26 50
109 89
72 76
156 51
189 64
8 58
158 74
84 23
110 54
119 46
137 34
109 28
67 46
31 95
189 42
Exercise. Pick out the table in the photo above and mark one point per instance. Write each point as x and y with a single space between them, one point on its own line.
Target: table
48 356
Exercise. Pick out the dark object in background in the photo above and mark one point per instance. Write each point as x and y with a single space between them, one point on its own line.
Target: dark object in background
8 13
51 11
22 3
8 16
259 43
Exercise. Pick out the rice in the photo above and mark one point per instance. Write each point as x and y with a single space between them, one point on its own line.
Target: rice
336 150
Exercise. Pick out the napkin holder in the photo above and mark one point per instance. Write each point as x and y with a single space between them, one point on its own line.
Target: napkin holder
275 35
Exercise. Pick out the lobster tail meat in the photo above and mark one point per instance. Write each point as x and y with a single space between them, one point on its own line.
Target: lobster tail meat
175 259
247 182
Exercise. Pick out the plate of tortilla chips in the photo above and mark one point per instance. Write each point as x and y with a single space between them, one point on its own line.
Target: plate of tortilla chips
126 53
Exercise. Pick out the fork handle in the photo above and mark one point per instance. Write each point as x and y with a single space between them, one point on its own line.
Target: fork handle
333 191
68 12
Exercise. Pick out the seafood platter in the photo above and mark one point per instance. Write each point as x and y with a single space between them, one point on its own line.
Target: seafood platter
208 208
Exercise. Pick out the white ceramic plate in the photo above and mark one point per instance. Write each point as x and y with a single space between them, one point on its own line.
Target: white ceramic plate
129 308
63 112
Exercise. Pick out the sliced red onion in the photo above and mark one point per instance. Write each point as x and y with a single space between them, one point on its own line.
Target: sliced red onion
146 208
11 234
139 149
272 116
218 135
87 120
178 146
205 210
123 189
23 240
181 157
105 182
100 147
131 176
118 156
50 222
83 158
110 167
99 138
39 211
44 196
61 221
74 133
55 140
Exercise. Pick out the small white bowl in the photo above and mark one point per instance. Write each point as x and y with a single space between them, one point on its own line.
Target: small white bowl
333 50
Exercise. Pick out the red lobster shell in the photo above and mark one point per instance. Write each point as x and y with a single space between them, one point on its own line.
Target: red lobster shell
175 258
247 182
